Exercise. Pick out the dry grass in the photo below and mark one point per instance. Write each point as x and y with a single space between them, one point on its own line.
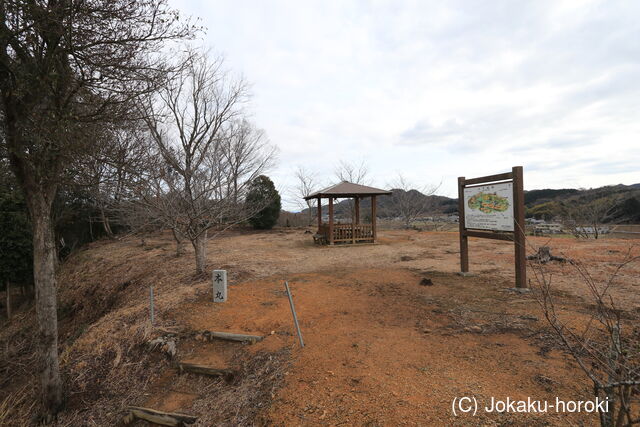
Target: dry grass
18 399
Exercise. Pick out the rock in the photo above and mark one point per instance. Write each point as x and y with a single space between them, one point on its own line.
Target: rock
164 345
465 274
519 290
476 329
426 282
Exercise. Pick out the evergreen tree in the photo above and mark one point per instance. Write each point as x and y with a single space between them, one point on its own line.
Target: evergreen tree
16 251
264 200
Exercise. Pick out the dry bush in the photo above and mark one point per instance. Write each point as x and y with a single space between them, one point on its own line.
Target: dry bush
606 346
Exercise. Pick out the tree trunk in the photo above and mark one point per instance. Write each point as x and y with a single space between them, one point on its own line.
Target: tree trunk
179 242
91 228
7 287
44 266
105 223
200 246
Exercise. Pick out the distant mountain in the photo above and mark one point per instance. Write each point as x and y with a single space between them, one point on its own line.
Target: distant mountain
386 206
610 204
613 204
539 196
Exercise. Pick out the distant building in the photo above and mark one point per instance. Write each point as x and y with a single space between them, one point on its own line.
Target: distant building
592 230
551 228
534 221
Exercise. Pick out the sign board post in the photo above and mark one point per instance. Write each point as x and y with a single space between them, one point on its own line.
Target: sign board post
219 285
492 207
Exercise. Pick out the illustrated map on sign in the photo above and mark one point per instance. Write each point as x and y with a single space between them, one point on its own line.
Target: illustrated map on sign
489 207
488 202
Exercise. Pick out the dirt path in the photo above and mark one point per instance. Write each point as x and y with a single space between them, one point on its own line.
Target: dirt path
383 350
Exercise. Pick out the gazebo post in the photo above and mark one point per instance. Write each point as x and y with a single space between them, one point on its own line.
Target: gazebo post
373 218
357 210
331 220
319 215
353 224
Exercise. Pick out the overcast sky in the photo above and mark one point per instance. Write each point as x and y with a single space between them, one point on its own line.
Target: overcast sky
441 89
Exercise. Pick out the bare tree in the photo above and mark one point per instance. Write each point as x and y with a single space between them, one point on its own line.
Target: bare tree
605 347
412 201
355 173
306 183
63 66
584 219
351 172
108 173
206 153
246 150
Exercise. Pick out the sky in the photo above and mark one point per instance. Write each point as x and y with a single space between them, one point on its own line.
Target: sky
434 90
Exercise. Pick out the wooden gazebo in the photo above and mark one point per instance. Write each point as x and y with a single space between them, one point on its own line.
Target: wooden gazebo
354 232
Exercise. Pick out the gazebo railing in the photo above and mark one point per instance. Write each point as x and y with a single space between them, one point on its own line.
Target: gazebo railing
347 232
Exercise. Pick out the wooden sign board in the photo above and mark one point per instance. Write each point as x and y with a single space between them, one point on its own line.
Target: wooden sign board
219 279
492 207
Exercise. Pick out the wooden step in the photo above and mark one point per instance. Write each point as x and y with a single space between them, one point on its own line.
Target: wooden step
157 417
206 370
227 336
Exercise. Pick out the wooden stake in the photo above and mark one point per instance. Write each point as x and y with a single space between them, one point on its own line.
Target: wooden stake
151 308
293 312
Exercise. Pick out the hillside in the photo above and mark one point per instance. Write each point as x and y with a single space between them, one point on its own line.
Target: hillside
359 309
618 204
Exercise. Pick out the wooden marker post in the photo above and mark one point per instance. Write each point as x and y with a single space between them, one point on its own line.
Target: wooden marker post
492 207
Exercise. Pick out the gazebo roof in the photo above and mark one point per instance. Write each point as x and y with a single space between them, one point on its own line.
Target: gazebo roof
347 189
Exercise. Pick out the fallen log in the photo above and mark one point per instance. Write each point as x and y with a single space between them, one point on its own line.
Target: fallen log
158 417
228 374
251 339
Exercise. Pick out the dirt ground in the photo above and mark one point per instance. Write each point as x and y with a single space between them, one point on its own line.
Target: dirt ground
383 350
380 348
